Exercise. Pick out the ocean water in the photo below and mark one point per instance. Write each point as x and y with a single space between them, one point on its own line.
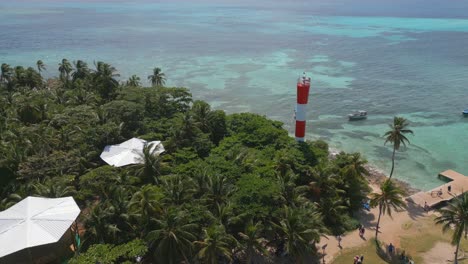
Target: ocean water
389 57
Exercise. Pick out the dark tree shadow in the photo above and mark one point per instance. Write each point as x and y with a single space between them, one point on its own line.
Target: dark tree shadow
366 218
415 211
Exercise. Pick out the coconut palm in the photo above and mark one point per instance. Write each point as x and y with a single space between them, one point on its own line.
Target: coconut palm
291 194
202 115
81 70
119 201
455 215
146 203
390 198
171 240
50 189
352 171
177 189
355 167
253 242
6 73
396 136
40 66
105 80
134 81
300 228
98 226
65 68
19 75
32 78
218 190
216 245
150 169
158 78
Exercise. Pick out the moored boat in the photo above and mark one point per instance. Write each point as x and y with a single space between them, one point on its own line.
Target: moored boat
465 113
359 115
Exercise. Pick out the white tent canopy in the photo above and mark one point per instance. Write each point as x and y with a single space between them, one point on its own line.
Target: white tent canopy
35 221
129 152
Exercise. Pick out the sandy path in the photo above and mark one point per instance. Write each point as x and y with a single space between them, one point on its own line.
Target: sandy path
390 231
438 254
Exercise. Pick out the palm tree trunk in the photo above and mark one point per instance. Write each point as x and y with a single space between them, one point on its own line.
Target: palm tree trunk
378 222
393 162
456 253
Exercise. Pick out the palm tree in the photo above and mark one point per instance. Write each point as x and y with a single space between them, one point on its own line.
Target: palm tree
50 189
158 78
253 242
32 78
104 79
455 215
202 115
40 66
134 81
391 197
171 240
98 225
300 228
218 190
18 75
291 194
396 136
352 170
146 203
332 209
6 73
355 167
216 245
177 189
150 169
81 70
65 68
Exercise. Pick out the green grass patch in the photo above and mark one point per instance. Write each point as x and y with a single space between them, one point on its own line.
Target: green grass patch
370 251
421 237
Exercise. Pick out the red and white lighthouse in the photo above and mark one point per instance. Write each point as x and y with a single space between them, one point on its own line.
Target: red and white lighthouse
303 87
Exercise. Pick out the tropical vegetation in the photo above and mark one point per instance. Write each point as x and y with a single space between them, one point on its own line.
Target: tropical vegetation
396 136
228 188
390 198
455 216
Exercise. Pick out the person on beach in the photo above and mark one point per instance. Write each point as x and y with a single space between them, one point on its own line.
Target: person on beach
338 237
426 207
356 259
449 188
439 193
361 259
391 248
363 230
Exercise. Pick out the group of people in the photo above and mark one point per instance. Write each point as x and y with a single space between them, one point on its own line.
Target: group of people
359 259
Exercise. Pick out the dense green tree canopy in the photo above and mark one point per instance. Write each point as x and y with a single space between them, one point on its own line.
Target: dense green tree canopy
192 202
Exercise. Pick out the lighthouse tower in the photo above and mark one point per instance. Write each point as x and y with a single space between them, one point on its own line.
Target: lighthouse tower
303 87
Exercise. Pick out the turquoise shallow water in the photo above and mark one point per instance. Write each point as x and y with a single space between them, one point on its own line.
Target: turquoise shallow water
387 57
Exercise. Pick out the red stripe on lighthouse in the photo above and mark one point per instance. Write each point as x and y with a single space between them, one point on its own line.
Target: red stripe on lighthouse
300 129
303 87
303 92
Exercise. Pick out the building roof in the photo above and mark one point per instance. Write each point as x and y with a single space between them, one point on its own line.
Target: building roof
35 221
129 152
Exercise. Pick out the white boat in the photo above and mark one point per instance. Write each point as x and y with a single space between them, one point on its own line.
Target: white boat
359 115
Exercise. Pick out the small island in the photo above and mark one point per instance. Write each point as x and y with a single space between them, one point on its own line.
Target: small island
226 188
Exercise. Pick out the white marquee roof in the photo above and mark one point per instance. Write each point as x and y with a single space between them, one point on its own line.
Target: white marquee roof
128 152
35 221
